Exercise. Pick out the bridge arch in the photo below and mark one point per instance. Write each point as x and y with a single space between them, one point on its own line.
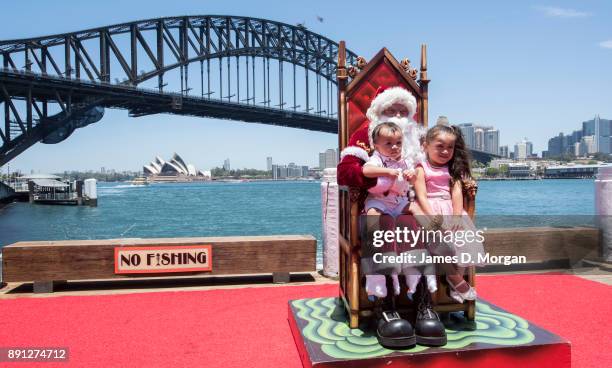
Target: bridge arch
51 85
197 38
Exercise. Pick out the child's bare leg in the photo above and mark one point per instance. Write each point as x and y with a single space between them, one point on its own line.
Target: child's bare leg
430 278
376 284
454 273
415 210
412 274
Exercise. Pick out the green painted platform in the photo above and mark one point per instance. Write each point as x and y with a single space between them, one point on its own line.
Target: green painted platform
323 338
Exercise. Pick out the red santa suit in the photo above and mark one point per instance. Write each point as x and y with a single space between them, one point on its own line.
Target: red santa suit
352 158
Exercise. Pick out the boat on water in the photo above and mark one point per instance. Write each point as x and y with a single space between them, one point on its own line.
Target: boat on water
141 180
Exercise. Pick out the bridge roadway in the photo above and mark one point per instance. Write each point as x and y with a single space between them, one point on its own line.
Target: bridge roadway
142 102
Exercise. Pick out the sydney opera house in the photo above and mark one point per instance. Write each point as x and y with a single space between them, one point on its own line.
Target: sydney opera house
174 169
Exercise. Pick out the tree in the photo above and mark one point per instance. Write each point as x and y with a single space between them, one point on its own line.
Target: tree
491 171
503 170
219 172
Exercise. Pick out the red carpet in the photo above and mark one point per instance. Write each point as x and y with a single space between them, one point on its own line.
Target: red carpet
248 327
574 308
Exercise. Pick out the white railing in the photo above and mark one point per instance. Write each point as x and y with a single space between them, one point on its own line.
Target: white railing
56 196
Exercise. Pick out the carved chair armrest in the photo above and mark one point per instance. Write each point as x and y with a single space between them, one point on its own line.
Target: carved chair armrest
470 187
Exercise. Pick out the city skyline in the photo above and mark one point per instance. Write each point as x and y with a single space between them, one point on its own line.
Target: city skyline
478 66
595 136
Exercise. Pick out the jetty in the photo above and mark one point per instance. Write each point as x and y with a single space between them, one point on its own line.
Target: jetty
49 189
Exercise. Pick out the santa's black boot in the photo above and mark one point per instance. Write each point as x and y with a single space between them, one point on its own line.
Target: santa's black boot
392 331
429 329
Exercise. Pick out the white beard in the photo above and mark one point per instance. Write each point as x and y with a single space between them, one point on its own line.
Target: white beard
412 151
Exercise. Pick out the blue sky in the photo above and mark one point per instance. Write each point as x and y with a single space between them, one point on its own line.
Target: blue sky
531 69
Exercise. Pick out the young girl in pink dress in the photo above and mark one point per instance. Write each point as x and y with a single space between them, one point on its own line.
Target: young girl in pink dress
439 192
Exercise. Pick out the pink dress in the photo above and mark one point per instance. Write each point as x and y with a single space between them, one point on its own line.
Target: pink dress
437 184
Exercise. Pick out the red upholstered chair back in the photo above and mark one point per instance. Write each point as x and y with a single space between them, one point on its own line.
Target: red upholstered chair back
382 70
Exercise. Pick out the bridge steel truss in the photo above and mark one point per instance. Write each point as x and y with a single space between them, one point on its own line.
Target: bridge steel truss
51 85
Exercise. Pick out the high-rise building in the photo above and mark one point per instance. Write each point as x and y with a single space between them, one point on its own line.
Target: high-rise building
503 151
491 141
587 146
601 130
294 171
268 163
576 149
575 137
523 150
468 134
556 146
226 165
479 139
289 171
275 172
321 160
605 145
529 149
329 158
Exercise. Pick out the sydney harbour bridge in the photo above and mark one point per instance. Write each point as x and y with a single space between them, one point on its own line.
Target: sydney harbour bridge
229 67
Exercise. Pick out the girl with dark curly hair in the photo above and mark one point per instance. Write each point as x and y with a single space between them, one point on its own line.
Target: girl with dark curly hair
439 192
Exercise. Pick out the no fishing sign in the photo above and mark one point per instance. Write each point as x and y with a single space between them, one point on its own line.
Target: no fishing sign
163 259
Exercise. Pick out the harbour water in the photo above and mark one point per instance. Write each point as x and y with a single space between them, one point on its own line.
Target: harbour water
249 208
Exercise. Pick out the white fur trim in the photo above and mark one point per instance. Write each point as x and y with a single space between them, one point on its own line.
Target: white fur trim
388 98
355 151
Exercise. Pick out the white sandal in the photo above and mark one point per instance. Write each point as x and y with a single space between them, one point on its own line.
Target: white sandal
460 297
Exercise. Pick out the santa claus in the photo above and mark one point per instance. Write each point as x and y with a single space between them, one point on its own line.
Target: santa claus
395 105
391 105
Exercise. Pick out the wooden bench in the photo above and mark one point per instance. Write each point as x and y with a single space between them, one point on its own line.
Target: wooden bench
47 263
544 247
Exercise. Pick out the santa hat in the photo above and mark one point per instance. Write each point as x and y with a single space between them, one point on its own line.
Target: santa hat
358 144
387 96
